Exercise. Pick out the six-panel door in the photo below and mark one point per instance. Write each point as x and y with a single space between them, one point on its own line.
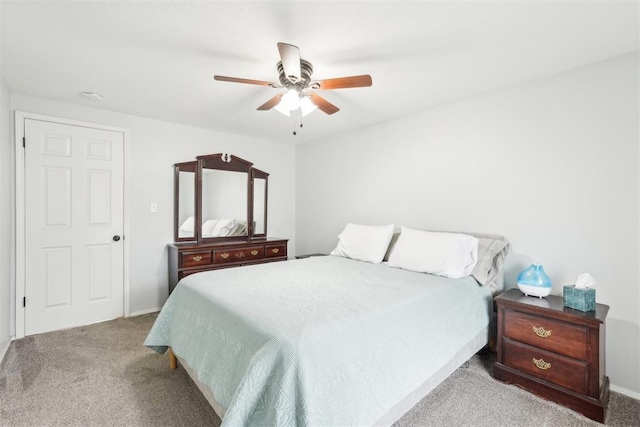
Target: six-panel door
73 224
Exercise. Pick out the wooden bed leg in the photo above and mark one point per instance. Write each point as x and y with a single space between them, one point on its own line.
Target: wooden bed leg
173 360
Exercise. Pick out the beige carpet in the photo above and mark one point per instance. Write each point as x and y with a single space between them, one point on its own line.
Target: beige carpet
102 375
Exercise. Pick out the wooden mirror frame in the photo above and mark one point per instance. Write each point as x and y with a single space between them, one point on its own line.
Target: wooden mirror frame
258 174
184 167
224 162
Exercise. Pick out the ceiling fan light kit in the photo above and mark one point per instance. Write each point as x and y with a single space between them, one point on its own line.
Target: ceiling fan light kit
290 100
294 75
303 103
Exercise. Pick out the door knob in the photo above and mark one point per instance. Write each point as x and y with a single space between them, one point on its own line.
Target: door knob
116 238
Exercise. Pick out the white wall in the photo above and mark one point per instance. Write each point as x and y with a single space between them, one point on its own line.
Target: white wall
5 216
155 147
551 164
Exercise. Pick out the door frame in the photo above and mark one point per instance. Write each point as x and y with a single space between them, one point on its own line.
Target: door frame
20 226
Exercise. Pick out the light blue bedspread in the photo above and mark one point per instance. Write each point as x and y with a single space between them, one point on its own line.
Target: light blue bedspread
318 341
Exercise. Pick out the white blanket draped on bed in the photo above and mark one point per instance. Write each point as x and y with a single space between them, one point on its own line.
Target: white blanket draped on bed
318 341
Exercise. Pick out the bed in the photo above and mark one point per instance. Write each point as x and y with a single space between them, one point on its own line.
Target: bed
323 340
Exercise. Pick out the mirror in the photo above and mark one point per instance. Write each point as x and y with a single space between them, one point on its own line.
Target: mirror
223 188
259 180
219 197
185 201
224 203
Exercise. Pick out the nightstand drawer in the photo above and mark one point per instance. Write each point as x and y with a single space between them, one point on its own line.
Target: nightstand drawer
275 250
555 368
235 255
549 334
194 259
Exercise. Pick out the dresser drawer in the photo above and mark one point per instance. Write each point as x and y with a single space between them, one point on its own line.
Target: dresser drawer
194 259
275 250
238 254
549 334
555 368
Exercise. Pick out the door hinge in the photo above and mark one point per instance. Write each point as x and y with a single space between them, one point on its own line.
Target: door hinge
24 141
24 301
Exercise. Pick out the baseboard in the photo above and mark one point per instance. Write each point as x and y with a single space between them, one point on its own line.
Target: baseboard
147 311
626 392
4 350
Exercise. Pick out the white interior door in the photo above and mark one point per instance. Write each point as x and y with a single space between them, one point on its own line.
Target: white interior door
74 220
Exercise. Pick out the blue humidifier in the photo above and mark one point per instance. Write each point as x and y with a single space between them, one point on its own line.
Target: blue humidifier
534 281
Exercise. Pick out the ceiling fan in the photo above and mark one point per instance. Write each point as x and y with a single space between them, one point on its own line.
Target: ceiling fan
295 76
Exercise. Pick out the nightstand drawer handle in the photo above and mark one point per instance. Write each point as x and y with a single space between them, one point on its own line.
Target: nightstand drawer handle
275 250
197 258
541 332
254 253
224 255
541 364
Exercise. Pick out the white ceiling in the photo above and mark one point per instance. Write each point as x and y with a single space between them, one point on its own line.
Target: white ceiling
157 59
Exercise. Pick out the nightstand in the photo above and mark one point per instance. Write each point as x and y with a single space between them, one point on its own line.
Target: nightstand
553 351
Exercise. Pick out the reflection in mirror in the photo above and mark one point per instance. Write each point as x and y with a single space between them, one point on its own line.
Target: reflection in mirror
186 204
259 205
224 203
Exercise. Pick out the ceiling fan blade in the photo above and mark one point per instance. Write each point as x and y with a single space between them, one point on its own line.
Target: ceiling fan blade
290 57
343 82
246 81
322 104
270 103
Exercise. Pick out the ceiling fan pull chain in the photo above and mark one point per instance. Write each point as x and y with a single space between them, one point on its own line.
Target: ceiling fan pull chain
296 116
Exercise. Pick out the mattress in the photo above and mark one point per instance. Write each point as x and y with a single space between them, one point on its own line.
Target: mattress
320 341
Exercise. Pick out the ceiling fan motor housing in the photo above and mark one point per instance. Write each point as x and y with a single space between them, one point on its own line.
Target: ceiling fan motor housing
306 69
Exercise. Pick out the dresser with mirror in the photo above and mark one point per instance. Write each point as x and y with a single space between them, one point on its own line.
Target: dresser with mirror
220 217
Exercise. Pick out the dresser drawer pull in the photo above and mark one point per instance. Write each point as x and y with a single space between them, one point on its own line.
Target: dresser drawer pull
541 332
254 252
240 255
275 250
541 364
224 255
197 258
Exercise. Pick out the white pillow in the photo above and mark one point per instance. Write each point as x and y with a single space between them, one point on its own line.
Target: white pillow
187 225
364 242
240 229
223 227
208 226
443 254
